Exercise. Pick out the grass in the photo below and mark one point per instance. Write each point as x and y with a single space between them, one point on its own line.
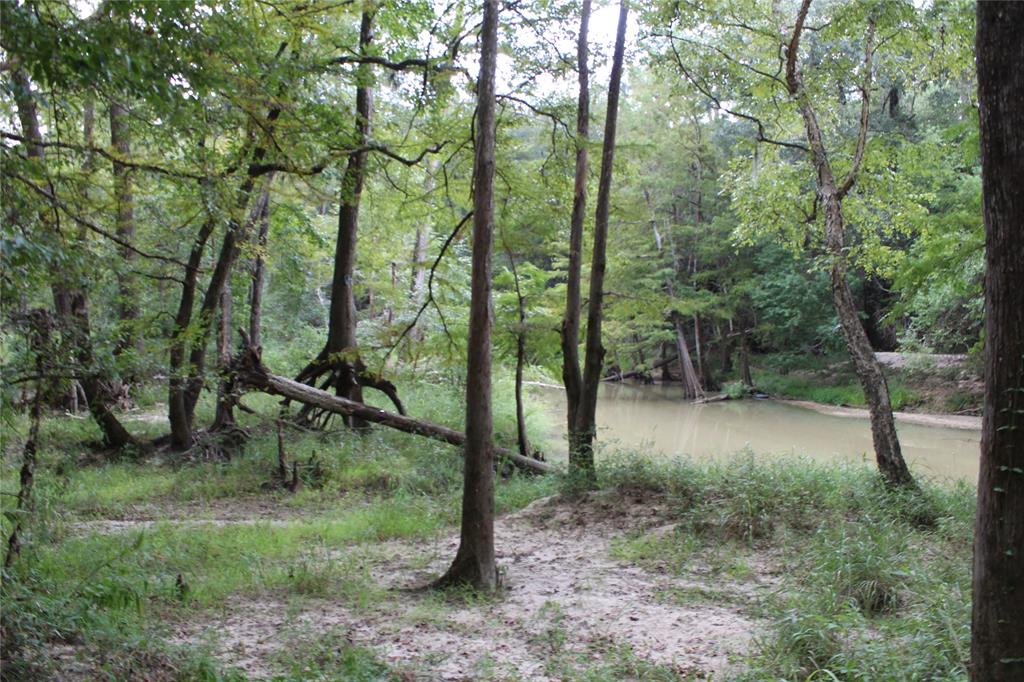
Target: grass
842 389
875 586
875 583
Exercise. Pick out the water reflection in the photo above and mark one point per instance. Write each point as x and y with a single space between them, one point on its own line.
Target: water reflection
657 419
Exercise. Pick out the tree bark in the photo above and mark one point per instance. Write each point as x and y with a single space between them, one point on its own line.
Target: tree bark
570 332
236 232
586 417
691 383
224 417
745 360
876 392
181 418
128 305
39 324
997 623
259 268
474 562
523 437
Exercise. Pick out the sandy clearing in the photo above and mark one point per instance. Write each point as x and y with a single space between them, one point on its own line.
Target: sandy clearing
949 421
565 601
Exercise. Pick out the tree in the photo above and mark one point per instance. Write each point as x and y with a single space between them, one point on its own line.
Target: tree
474 562
830 195
571 321
585 426
997 623
339 357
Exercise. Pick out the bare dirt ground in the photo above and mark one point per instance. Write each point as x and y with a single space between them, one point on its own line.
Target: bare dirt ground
566 603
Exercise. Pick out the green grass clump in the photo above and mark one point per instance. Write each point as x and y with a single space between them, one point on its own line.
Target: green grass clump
329 656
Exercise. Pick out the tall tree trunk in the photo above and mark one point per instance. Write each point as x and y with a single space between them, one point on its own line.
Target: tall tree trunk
474 563
571 321
586 417
235 234
691 384
724 351
339 357
745 360
179 416
883 426
259 267
997 623
38 323
524 440
224 417
127 305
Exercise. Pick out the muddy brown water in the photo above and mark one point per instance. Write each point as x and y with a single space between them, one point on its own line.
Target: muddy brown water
656 419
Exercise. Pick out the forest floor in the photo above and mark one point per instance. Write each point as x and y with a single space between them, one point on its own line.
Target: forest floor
567 605
168 569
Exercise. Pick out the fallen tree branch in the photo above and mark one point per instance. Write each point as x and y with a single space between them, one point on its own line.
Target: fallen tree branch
250 372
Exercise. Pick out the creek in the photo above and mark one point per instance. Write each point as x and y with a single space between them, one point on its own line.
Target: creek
655 419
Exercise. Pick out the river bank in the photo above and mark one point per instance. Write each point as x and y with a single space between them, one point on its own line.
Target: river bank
944 385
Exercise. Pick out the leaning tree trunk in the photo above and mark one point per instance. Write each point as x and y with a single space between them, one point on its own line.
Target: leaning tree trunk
830 193
586 416
178 415
235 234
224 417
997 623
691 383
571 322
474 562
249 372
876 391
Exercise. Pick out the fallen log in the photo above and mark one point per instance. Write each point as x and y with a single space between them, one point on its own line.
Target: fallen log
249 372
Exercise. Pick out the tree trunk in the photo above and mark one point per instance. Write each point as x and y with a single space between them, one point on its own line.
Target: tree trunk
586 417
691 384
234 236
883 426
224 417
339 357
39 325
724 352
259 267
570 332
129 338
524 440
474 563
745 360
181 418
997 623
250 372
